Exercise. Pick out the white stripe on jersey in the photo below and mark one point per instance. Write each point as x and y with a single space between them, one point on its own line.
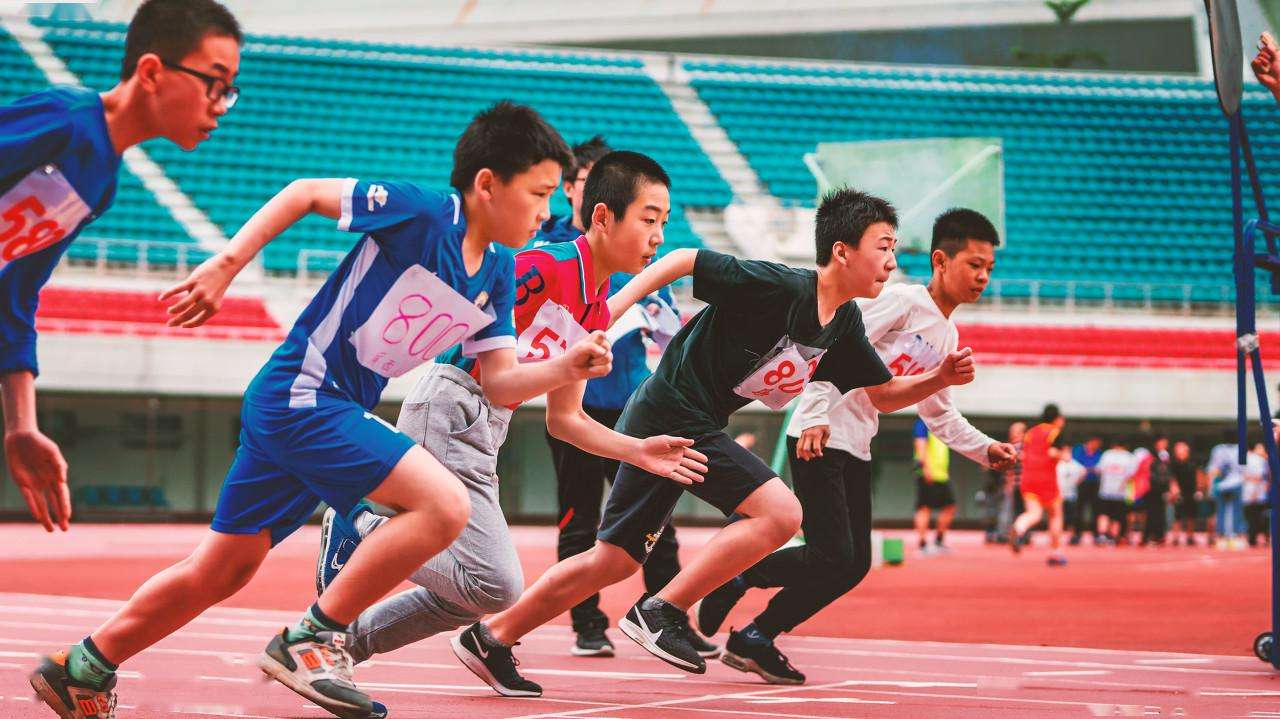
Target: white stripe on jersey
314 367
344 218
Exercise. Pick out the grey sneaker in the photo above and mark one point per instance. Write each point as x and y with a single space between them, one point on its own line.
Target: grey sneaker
320 669
69 698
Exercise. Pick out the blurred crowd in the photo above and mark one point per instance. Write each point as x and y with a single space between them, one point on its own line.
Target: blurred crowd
1147 490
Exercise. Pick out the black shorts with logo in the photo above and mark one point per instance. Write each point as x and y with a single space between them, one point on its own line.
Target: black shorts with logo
934 495
640 505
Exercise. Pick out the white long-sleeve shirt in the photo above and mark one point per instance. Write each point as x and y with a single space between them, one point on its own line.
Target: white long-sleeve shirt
911 336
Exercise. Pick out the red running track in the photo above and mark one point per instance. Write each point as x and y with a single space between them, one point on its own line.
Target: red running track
959 631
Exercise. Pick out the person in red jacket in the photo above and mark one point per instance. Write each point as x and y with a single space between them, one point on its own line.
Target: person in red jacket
1041 447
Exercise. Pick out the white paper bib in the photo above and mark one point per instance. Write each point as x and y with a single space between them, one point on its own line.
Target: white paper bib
911 355
782 375
550 335
418 318
37 212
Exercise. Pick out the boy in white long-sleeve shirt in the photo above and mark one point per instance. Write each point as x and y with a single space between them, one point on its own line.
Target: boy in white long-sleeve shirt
829 443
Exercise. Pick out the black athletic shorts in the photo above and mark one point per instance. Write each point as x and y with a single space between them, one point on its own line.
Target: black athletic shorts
640 504
1116 509
1187 508
934 495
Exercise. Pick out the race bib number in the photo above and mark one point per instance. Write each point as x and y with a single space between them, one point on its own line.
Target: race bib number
551 333
781 375
39 211
911 355
418 318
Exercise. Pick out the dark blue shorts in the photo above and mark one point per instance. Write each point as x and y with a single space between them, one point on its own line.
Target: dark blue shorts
291 460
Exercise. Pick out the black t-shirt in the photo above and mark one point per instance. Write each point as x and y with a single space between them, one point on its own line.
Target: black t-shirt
1184 473
752 307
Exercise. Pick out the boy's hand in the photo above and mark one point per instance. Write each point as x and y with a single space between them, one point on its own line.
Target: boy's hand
958 367
589 357
1266 64
671 457
1002 455
812 441
37 467
203 290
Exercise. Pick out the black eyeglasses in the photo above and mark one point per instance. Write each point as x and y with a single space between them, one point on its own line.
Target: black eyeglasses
216 89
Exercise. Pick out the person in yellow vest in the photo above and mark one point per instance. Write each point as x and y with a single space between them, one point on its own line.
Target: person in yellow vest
933 487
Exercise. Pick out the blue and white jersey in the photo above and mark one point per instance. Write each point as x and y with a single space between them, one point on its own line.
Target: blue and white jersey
401 297
58 173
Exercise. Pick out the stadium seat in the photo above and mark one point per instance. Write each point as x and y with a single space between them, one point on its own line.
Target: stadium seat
96 311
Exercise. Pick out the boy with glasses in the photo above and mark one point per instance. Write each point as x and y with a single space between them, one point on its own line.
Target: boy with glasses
60 154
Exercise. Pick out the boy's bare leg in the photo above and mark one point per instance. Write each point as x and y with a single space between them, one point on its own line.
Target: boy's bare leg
772 517
432 508
168 601
561 588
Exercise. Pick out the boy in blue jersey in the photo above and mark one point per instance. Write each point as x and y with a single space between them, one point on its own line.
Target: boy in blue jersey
561 294
424 276
581 477
60 154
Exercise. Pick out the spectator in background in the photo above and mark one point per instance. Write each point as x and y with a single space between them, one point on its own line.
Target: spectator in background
1186 484
1136 495
1070 474
1257 478
933 487
1116 468
1226 477
1155 502
1087 456
1010 505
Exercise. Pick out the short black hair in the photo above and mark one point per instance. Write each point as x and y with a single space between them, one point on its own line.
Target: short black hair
953 229
173 29
615 180
508 139
588 153
1050 413
844 216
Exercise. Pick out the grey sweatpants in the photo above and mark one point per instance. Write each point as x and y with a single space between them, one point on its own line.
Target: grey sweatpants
479 573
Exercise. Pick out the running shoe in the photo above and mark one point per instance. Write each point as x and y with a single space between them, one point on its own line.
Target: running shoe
493 663
665 633
701 645
592 641
763 659
318 668
66 696
1057 559
338 541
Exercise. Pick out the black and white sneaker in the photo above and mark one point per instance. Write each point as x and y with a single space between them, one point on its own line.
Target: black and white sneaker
714 608
493 663
762 659
592 642
663 630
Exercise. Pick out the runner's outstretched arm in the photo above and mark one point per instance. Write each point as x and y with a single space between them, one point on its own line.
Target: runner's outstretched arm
901 392
677 264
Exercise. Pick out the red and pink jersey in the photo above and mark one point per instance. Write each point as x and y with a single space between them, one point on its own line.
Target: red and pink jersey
557 300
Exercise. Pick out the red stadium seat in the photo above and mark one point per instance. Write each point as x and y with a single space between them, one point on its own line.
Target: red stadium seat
124 312
1156 347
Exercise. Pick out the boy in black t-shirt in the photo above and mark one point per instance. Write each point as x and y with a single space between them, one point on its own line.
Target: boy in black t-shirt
768 330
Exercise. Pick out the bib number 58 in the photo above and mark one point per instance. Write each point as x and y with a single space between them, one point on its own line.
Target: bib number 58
24 215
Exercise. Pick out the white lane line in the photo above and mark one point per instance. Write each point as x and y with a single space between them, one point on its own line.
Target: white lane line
1069 673
673 703
237 680
1186 660
1240 693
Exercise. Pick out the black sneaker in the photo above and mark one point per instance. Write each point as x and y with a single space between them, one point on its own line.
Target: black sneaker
714 608
493 663
318 668
69 698
664 632
762 659
592 642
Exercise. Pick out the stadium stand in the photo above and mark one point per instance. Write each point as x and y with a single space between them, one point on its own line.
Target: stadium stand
1073 346
1119 178
328 108
116 312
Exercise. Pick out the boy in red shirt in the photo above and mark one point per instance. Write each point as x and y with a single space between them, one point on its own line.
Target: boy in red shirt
1041 447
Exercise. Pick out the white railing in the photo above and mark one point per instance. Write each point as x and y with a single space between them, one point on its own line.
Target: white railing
186 255
1070 295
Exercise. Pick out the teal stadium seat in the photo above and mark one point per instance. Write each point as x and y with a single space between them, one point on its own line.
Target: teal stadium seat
1120 178
326 108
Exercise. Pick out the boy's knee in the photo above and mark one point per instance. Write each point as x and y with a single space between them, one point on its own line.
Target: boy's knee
498 591
612 564
785 519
